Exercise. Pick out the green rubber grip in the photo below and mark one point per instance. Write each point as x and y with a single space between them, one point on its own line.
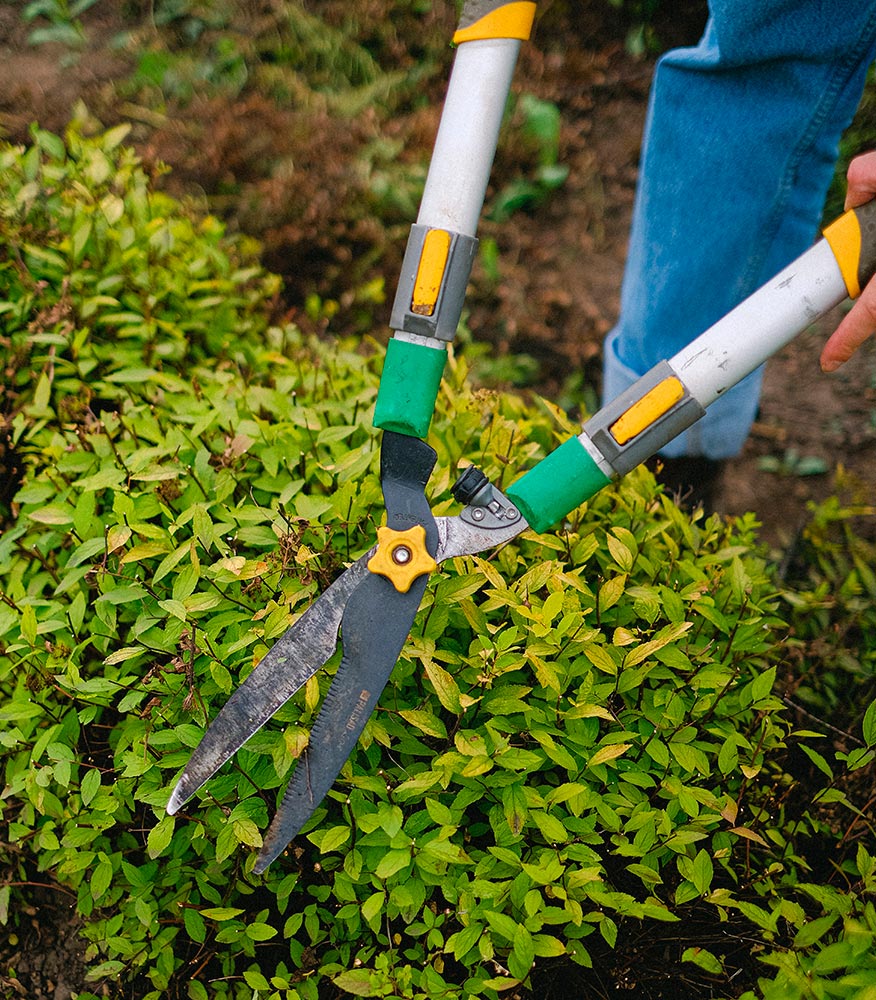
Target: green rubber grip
409 387
557 485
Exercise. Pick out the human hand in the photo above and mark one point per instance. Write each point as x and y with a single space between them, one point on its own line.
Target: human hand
860 322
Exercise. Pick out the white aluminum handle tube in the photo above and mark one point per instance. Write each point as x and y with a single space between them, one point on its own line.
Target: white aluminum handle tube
466 142
761 325
674 394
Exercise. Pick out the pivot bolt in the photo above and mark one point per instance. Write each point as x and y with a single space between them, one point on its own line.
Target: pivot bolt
402 556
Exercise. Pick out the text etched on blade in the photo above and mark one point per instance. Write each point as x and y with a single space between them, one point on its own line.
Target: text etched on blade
356 714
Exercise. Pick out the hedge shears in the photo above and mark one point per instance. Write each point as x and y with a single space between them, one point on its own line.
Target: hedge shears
372 605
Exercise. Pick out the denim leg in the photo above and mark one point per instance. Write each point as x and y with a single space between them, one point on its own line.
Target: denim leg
739 149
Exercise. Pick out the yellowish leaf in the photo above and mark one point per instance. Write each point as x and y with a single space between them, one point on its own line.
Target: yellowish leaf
743 831
608 753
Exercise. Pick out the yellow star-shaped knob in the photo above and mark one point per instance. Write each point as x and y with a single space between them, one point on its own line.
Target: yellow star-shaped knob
402 556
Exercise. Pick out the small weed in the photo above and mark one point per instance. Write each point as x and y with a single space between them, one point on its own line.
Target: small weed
792 463
64 26
538 132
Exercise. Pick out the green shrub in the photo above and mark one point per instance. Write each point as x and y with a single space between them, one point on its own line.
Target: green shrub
101 272
832 593
580 740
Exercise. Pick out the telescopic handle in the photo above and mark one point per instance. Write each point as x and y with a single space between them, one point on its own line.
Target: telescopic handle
675 394
442 244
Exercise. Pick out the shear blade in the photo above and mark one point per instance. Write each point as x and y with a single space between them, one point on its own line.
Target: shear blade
289 664
300 652
374 628
374 618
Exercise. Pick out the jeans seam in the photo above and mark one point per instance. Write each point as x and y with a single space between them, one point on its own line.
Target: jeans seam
838 81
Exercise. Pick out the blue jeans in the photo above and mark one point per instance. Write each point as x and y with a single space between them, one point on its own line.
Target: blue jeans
739 149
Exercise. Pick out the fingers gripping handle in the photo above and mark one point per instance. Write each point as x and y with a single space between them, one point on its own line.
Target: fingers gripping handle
852 238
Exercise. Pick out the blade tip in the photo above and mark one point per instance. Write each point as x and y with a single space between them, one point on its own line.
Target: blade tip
175 802
267 855
264 861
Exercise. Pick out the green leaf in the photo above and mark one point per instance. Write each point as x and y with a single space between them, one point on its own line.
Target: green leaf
147 550
514 806
704 959
620 552
194 924
255 980
600 658
311 508
246 832
55 514
426 722
359 982
814 930
647 649
392 862
197 990
174 608
104 479
551 828
702 872
864 862
123 654
445 687
221 913
334 838
869 725
372 908
728 755
611 752
547 946
502 924
101 878
89 786
42 395
817 760
29 623
762 685
260 931
439 813
160 836
522 955
835 956
105 970
462 942
123 595
611 592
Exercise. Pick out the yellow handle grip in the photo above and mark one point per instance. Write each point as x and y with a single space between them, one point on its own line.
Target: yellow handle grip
495 19
852 238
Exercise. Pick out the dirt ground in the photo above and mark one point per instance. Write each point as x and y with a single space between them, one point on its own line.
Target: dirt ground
560 269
